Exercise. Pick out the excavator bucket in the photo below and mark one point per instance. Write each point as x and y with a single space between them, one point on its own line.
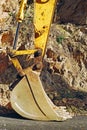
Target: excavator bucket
29 99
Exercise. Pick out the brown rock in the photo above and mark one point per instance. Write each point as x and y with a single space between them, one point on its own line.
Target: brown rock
7 38
74 11
57 67
49 53
4 60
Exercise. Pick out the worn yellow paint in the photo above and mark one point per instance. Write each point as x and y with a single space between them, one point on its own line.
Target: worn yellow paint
17 66
20 15
43 14
22 52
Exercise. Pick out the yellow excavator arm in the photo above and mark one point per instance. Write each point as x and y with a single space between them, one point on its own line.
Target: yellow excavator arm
43 14
28 97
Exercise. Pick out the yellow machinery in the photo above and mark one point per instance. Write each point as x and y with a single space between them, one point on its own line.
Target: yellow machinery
28 97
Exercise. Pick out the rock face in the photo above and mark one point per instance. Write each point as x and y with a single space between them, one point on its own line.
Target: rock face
74 11
68 42
8 9
66 54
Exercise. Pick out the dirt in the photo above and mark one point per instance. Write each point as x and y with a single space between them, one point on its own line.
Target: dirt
15 123
64 75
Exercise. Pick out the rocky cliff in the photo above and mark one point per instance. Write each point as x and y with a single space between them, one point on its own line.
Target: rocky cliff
65 74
